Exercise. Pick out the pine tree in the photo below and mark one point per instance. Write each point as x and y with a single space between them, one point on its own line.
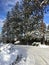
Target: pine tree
23 18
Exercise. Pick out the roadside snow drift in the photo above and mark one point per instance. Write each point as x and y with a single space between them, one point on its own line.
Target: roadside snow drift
43 46
8 54
20 55
11 55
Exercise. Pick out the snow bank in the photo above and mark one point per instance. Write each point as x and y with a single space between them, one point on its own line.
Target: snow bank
12 55
8 54
43 46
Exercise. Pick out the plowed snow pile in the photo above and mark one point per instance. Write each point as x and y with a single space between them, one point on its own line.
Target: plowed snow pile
11 55
19 55
8 54
43 46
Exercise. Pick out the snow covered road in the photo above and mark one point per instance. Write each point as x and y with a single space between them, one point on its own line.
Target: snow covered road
41 56
24 55
35 55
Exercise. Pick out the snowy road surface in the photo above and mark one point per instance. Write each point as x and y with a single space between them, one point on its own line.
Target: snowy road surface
34 55
24 55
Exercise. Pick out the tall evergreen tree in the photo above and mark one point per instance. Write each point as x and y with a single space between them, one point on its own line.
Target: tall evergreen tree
23 18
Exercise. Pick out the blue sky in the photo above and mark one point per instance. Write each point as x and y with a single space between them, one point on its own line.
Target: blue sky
46 18
6 5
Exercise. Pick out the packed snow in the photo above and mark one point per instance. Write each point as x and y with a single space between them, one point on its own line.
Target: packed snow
11 55
8 54
43 46
17 55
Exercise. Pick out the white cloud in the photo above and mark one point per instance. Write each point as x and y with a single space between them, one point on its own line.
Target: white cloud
1 22
47 24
